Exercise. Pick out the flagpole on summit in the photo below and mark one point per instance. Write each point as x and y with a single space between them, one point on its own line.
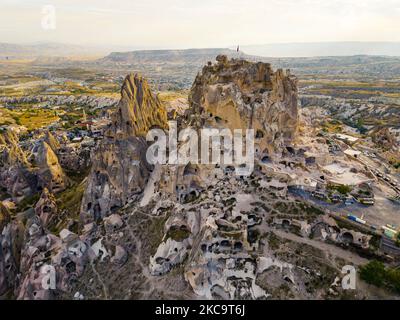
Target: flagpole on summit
238 51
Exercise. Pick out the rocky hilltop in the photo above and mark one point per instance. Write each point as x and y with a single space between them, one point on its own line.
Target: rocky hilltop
119 172
205 211
239 94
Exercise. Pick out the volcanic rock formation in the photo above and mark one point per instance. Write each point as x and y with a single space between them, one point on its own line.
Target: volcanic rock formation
50 173
119 172
216 239
10 246
46 207
139 110
52 142
239 94
16 178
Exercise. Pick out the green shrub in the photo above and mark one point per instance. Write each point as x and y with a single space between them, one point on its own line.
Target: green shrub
375 273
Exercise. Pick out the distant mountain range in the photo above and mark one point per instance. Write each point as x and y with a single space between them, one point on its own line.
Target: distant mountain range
35 50
322 49
122 54
192 56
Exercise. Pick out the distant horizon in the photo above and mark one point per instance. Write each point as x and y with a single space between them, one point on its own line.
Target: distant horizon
28 43
272 50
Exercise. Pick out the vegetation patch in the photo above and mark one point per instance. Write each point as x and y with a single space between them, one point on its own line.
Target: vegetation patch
377 274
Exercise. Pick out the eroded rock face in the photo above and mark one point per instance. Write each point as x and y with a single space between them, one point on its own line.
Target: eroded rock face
69 254
16 177
10 246
75 157
46 207
50 173
119 171
218 239
139 109
384 138
239 94
21 176
11 152
52 142
5 217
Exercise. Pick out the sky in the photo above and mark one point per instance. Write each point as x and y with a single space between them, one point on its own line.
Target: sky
199 23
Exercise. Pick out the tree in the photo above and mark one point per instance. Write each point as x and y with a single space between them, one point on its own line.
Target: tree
344 189
360 126
398 240
374 273
393 279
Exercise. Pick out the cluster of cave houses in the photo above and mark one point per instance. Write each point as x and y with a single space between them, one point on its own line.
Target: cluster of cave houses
237 233
320 173
228 258
54 262
224 259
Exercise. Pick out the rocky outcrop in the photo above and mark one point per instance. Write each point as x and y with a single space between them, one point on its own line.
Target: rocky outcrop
217 239
75 157
10 247
384 138
45 255
16 178
50 173
52 142
5 216
12 154
46 207
119 171
239 94
20 177
139 110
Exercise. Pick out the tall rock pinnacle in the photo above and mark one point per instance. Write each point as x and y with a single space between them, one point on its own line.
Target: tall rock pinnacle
139 109
120 171
51 175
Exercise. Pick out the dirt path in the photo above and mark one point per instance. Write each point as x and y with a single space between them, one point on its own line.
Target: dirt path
327 248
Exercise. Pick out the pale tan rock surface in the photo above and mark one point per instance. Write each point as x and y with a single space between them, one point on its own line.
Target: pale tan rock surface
50 173
119 172
239 94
